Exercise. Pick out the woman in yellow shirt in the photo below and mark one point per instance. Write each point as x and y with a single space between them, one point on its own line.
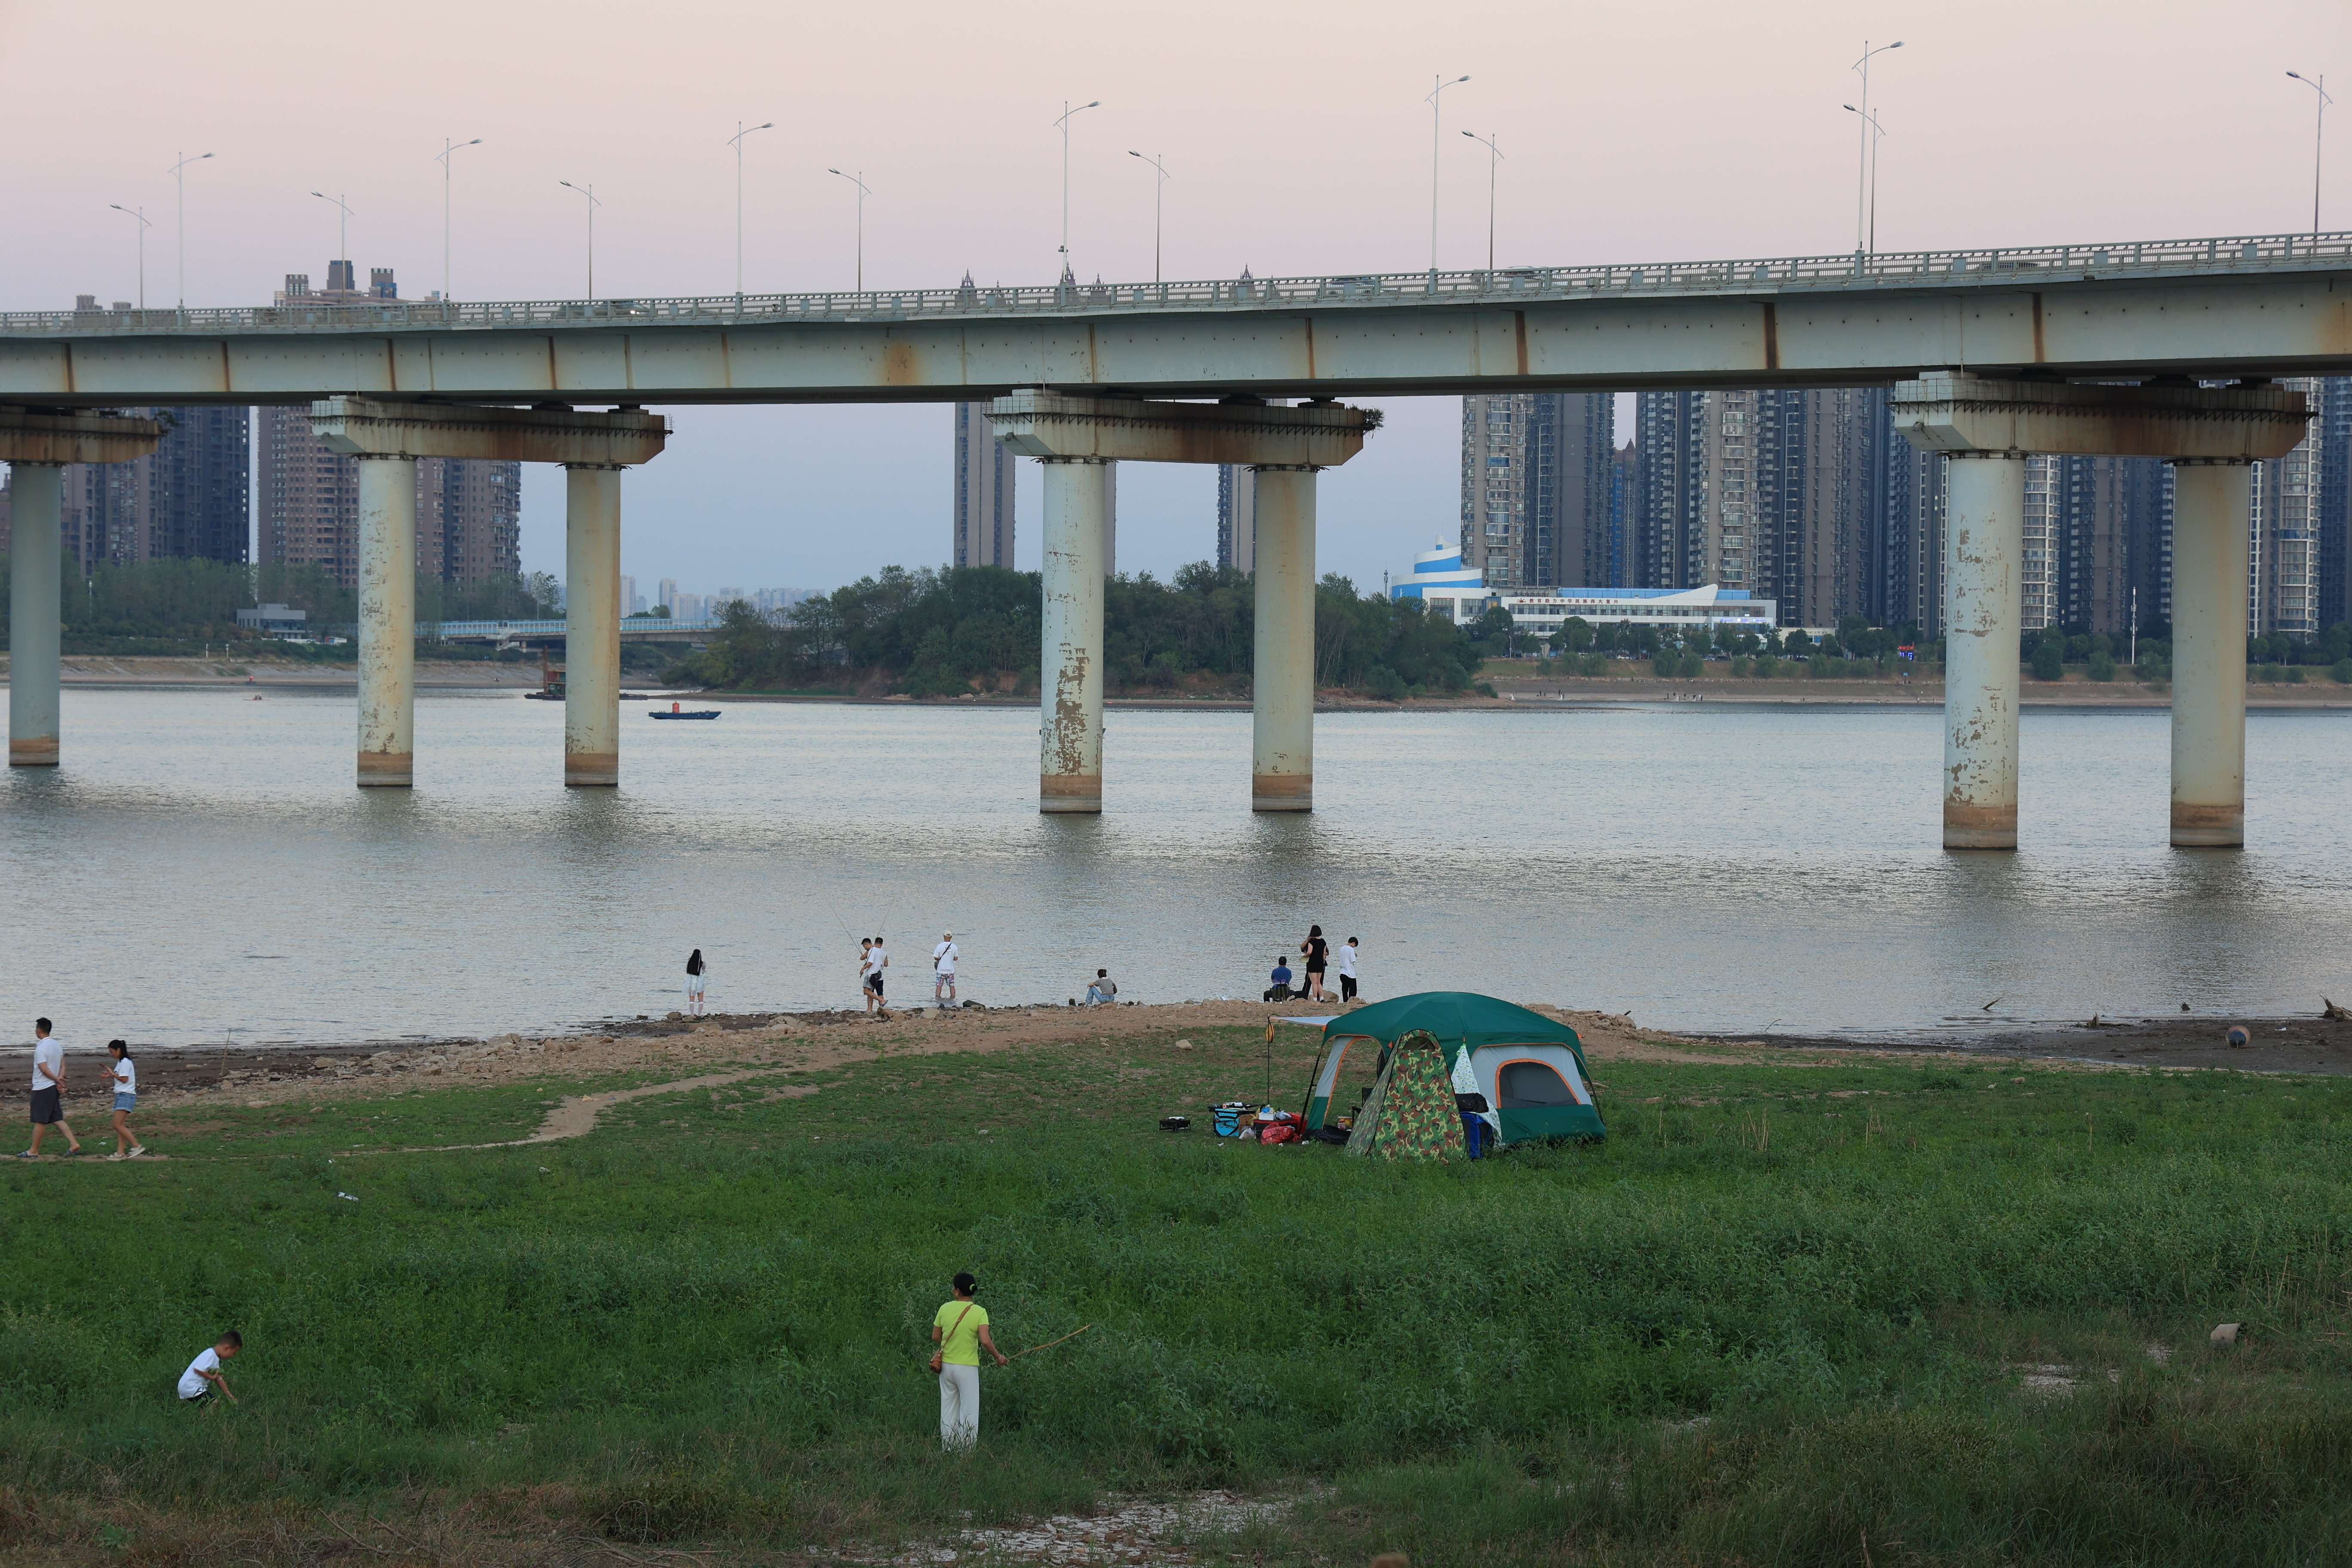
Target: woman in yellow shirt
960 1331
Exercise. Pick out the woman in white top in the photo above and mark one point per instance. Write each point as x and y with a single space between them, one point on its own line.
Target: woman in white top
694 977
125 1077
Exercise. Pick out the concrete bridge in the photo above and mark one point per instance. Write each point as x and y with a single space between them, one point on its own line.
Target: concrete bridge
1999 353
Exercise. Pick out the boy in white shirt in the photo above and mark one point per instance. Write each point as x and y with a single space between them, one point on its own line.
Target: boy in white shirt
943 963
878 959
203 1379
49 1089
1346 958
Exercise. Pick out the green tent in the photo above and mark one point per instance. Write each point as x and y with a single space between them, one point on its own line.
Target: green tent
1530 1068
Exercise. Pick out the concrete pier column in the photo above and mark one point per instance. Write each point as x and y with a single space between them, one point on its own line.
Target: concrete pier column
591 625
2210 503
1984 541
1070 667
35 586
387 621
1282 688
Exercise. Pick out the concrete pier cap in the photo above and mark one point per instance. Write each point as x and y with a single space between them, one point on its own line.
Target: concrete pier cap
69 436
378 427
1040 423
1954 411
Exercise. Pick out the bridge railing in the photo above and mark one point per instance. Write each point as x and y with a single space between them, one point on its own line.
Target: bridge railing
2001 267
449 631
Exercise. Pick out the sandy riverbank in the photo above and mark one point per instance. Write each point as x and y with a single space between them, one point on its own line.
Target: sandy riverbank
273 1074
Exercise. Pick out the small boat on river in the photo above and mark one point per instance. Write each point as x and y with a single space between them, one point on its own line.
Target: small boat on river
678 712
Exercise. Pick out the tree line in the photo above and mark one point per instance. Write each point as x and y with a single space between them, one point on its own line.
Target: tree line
946 632
175 601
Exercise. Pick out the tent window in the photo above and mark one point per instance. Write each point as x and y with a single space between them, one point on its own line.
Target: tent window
1533 1086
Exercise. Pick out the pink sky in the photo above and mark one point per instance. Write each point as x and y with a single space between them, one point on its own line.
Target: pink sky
1296 134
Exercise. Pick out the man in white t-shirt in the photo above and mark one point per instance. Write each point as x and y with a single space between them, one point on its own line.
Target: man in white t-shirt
1345 961
877 960
943 963
49 1089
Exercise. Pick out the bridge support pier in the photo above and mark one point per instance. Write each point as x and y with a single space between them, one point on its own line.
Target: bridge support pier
1282 682
37 446
1989 427
591 625
1984 543
1077 438
387 603
1070 671
2209 504
390 437
36 583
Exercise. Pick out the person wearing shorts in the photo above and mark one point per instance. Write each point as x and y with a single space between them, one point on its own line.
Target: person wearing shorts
943 965
878 959
49 1090
694 983
125 1077
1319 959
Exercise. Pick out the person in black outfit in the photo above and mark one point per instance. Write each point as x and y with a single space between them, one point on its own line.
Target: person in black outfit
1318 956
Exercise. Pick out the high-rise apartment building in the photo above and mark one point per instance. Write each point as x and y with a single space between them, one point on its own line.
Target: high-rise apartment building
2284 533
983 491
2335 437
1236 518
468 512
1535 487
1912 489
188 499
668 591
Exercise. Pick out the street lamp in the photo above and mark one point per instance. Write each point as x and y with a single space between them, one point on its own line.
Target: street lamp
179 173
343 228
1067 114
2318 84
590 191
1862 173
736 142
1160 170
443 159
1492 163
1878 134
141 214
1435 94
864 191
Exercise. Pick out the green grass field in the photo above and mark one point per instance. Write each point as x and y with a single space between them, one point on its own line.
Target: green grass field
1783 1315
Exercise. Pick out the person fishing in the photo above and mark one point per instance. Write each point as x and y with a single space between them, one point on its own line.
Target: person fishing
960 1329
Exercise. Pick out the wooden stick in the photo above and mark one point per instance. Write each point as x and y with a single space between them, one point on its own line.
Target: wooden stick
1049 1345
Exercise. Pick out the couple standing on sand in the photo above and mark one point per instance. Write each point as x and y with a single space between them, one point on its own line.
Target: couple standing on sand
49 1094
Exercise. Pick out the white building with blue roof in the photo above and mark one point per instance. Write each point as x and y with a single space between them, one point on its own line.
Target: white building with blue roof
1447 587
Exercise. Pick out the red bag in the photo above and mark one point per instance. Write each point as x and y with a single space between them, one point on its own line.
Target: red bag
1278 1133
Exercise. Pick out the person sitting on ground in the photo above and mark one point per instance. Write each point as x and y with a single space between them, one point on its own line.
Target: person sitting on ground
1102 990
1280 990
203 1379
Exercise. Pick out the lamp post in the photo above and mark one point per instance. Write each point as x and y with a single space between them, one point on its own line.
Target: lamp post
1160 170
864 191
179 173
1862 173
1067 114
1436 118
1878 134
1492 163
736 142
590 191
141 214
342 228
2318 84
443 159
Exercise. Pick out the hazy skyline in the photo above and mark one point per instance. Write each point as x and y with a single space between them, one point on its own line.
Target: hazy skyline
1298 142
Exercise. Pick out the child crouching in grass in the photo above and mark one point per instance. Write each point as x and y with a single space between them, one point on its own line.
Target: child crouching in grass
203 1379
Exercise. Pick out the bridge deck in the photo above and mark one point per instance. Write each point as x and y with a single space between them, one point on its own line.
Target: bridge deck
2269 304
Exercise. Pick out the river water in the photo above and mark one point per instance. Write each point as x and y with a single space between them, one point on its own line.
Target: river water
203 869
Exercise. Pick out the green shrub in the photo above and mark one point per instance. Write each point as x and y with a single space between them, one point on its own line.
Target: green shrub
2102 664
2341 671
1767 666
2049 660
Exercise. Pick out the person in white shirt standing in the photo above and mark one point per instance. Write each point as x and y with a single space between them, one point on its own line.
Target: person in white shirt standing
943 965
1345 962
49 1089
878 959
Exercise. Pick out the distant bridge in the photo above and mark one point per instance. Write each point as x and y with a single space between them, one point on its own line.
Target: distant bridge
2215 307
650 628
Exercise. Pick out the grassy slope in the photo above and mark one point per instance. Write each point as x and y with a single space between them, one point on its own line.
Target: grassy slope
1768 1321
